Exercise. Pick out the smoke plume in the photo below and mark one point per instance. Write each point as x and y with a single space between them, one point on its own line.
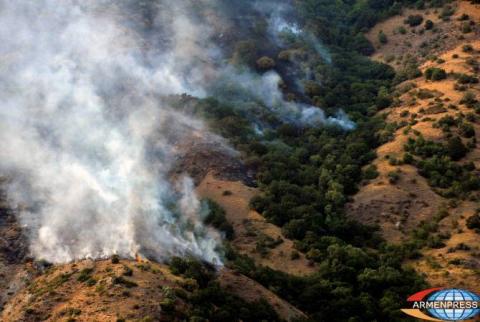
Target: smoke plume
86 140
241 85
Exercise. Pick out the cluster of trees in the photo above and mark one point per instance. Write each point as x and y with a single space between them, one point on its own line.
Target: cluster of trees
435 74
464 128
352 284
216 218
436 163
210 302
473 222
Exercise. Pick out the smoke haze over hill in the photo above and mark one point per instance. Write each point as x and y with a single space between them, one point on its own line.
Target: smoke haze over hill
88 142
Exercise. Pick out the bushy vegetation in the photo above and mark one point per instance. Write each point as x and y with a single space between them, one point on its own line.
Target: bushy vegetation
351 283
436 163
216 218
473 222
307 174
210 302
435 74
414 20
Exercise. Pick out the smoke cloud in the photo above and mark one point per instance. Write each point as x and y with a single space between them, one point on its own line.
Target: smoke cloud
281 26
87 142
245 86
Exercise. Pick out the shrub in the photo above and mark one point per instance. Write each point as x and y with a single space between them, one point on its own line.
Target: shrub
125 282
265 63
446 13
469 99
435 74
455 148
429 24
473 222
466 28
85 274
245 52
408 158
466 79
217 218
115 259
382 38
312 88
393 177
370 172
294 255
414 20
425 94
466 130
467 48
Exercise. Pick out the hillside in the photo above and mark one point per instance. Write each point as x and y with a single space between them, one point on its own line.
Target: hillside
236 161
111 290
262 241
401 197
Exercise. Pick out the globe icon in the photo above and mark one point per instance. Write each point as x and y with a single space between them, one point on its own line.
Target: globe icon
453 314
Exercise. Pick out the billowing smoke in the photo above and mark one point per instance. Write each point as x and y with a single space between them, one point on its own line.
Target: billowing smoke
87 142
282 26
243 85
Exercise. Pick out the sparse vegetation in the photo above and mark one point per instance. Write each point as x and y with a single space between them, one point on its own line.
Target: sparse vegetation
124 281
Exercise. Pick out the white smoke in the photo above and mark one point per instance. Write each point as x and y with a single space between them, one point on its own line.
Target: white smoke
86 141
241 84
281 27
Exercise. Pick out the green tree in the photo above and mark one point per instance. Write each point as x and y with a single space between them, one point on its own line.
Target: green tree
455 148
382 38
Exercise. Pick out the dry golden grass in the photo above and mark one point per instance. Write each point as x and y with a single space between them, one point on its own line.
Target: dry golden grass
447 37
440 266
59 295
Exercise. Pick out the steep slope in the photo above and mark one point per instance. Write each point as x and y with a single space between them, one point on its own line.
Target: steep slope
403 40
403 195
13 248
254 236
122 290
116 290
